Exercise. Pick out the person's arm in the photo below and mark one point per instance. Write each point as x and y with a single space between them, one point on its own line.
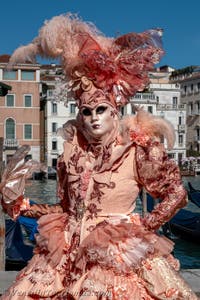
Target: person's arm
37 210
161 178
12 188
21 206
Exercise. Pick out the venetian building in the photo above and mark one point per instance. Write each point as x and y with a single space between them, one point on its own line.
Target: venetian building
189 80
20 108
162 98
55 112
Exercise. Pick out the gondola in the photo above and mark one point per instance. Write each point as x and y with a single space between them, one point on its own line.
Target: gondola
193 194
19 241
185 224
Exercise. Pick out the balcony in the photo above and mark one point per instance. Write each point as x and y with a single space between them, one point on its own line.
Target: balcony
54 151
195 112
181 145
144 98
165 107
11 144
181 128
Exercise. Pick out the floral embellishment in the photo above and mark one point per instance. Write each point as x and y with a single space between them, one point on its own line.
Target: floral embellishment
139 137
97 193
93 211
74 160
171 292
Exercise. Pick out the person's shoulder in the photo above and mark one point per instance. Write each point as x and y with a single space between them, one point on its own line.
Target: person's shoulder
145 129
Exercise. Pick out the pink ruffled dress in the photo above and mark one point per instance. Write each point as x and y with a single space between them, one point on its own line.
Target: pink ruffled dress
94 246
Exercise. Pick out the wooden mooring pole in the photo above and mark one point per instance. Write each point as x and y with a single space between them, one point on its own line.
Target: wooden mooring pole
2 240
2 217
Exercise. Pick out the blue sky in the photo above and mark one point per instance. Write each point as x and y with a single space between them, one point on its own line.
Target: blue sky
20 21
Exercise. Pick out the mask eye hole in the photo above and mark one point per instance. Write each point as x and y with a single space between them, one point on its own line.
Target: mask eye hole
101 109
86 112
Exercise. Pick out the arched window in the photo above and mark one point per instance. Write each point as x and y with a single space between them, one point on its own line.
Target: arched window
10 129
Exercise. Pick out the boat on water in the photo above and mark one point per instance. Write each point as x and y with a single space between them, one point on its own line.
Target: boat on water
193 194
19 242
185 224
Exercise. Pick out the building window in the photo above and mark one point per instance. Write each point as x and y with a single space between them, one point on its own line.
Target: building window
54 108
54 127
180 120
54 145
72 108
9 75
198 133
192 87
174 102
54 163
10 129
50 93
27 131
150 109
180 157
191 108
198 86
10 100
27 75
185 89
27 100
171 155
198 108
180 140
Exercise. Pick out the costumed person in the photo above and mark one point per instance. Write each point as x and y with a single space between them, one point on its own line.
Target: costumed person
93 245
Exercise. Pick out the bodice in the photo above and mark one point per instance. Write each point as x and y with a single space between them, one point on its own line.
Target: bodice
95 193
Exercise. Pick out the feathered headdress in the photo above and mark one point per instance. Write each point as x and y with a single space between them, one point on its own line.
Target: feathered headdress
117 67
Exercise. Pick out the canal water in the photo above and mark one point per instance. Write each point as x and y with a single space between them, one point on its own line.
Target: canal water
187 252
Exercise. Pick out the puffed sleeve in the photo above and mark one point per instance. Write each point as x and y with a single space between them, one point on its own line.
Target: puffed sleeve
13 182
37 210
12 188
161 178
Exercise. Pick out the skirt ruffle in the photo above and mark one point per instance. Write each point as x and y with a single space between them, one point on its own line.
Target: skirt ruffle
122 246
117 260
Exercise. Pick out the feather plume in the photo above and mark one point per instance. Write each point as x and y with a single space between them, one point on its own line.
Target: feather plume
119 66
24 54
62 36
146 124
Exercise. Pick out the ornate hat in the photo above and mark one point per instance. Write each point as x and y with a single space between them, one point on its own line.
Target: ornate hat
113 69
